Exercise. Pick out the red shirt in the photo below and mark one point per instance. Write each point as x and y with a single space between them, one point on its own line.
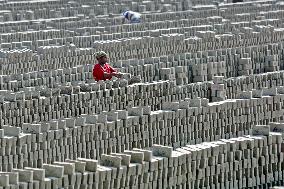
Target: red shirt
98 71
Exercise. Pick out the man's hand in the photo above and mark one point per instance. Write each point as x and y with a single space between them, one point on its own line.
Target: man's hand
118 75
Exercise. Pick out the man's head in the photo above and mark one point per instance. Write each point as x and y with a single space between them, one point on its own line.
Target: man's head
125 13
102 57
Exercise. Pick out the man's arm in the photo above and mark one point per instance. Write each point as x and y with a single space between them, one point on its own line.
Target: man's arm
115 73
99 74
123 20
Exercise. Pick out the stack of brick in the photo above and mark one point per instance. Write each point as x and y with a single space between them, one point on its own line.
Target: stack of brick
271 63
199 72
167 74
16 82
233 163
216 69
178 123
181 75
47 59
245 66
30 97
218 91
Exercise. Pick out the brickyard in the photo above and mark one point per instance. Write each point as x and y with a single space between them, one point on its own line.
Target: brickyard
207 112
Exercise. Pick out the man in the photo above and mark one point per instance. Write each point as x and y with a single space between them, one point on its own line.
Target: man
133 17
102 70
